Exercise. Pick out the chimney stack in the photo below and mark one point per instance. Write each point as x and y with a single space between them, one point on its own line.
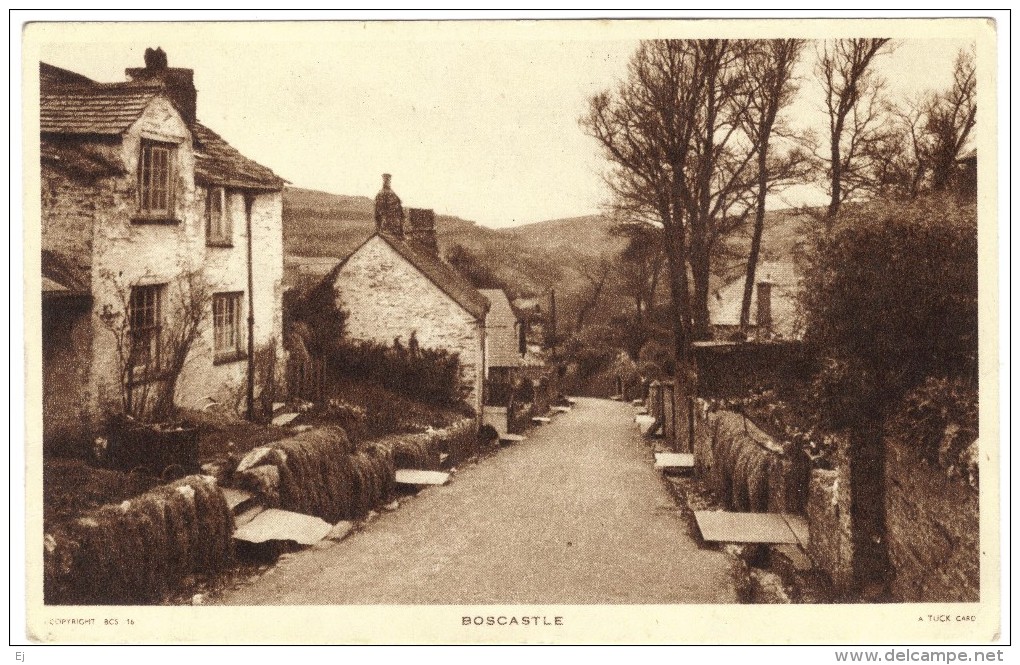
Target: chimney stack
389 212
179 83
421 229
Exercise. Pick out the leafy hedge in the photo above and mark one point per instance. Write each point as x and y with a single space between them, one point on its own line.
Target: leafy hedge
891 299
428 375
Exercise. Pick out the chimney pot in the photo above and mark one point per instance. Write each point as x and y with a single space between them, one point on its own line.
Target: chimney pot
389 212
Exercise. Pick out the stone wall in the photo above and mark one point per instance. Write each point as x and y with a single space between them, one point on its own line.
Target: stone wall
831 545
386 297
932 532
745 468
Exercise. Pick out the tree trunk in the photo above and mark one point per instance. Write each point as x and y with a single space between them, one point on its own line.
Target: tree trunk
759 226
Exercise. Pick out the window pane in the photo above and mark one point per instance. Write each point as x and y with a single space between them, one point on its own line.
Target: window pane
155 178
227 322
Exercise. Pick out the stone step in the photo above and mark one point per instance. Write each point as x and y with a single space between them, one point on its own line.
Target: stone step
421 477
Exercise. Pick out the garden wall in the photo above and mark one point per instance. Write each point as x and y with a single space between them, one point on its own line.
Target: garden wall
136 551
831 545
932 530
320 472
745 468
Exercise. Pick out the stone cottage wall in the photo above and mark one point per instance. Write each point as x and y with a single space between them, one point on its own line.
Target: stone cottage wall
932 530
386 297
68 206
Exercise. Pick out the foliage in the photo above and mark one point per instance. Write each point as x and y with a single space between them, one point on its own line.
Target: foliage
941 416
428 375
891 299
315 316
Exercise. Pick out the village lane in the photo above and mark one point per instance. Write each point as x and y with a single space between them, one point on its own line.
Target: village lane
573 515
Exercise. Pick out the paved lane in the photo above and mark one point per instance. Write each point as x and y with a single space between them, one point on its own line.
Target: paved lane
573 515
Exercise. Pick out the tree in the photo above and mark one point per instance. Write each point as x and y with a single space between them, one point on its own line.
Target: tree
770 76
951 116
853 103
639 264
597 276
646 131
930 133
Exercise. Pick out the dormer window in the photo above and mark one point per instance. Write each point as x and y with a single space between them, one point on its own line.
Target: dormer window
156 181
218 231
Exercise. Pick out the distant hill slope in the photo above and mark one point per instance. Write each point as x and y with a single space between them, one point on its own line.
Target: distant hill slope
320 229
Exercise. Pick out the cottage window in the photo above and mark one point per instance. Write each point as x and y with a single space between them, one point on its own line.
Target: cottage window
145 316
218 229
155 180
227 327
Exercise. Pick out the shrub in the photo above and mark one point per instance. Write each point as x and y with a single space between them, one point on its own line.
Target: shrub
429 375
941 417
891 299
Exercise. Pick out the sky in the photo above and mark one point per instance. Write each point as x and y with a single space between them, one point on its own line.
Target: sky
485 129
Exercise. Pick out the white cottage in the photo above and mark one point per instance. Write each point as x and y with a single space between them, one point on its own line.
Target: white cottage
395 285
136 196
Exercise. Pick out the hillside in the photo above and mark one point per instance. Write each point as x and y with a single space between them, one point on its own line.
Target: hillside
320 229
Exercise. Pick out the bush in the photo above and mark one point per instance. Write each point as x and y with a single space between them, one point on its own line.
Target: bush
941 417
891 299
428 375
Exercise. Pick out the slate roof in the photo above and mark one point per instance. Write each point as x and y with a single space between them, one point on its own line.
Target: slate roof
71 104
219 163
62 277
435 270
88 159
96 108
724 307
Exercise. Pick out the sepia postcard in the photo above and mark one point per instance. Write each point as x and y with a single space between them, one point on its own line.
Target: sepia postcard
512 332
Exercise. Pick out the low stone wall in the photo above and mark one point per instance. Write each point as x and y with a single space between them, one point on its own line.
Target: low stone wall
138 550
831 547
745 468
320 472
932 530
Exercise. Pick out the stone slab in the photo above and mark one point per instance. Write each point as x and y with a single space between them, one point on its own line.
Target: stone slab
252 459
340 531
542 420
284 419
236 498
674 461
512 438
284 525
421 477
800 528
248 515
728 527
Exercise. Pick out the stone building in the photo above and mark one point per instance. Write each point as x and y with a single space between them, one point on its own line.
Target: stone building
508 355
395 285
140 202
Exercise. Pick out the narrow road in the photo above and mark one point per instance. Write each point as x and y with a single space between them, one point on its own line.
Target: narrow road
573 515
